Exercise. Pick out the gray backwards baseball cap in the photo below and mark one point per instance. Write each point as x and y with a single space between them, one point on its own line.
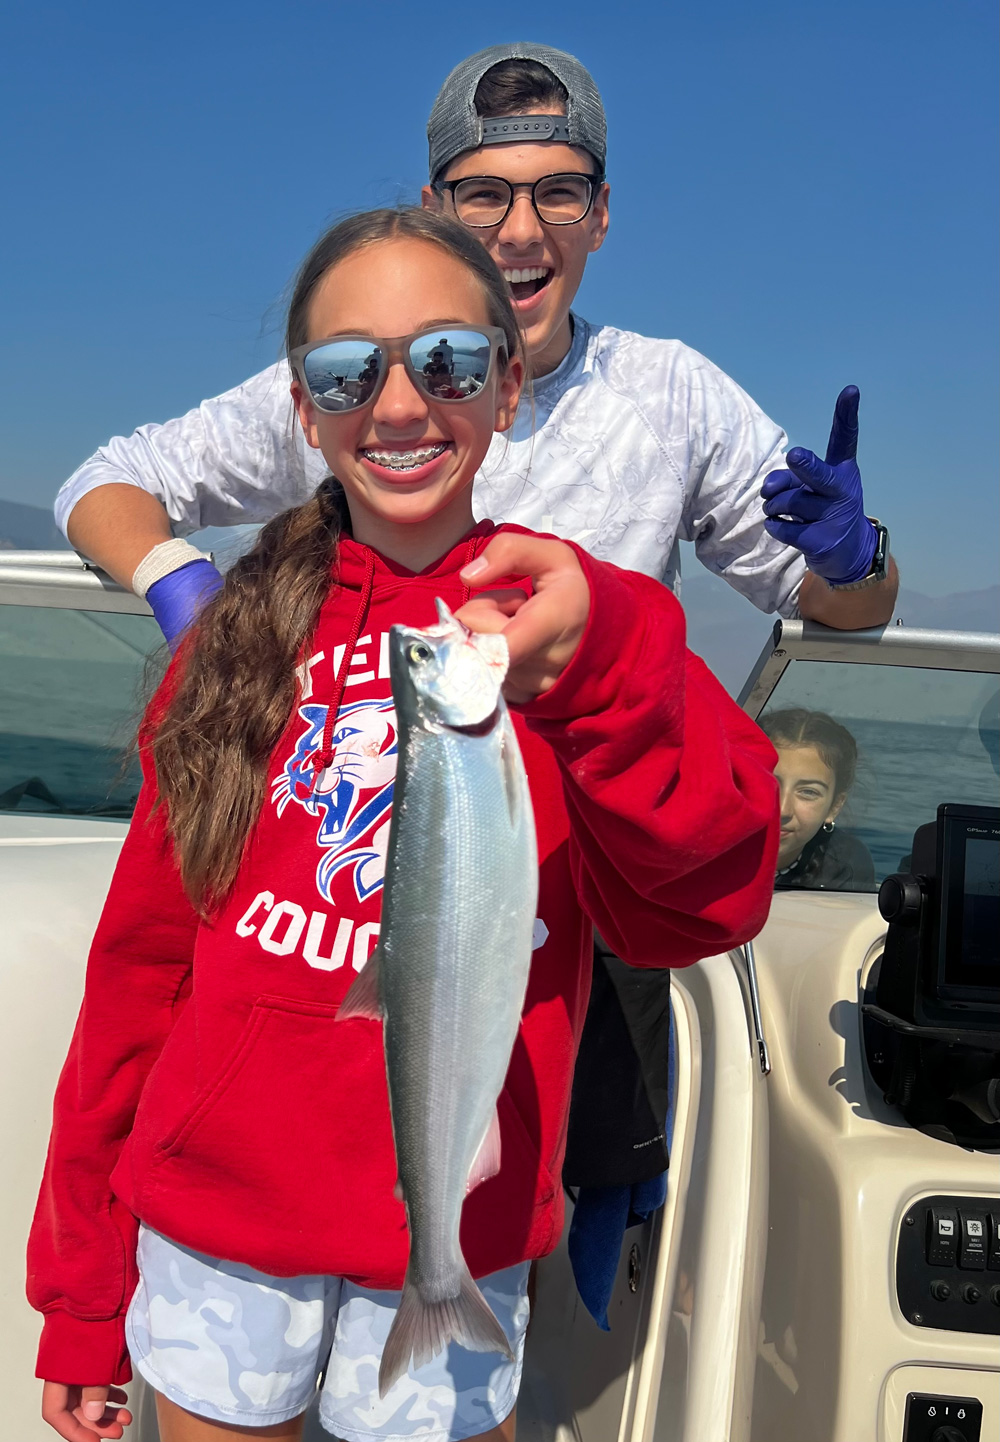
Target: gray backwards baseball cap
454 126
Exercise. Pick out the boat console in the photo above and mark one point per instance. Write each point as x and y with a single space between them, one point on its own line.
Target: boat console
932 1042
893 1334
932 1019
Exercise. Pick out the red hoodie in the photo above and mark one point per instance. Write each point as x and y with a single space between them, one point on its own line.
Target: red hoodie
207 1090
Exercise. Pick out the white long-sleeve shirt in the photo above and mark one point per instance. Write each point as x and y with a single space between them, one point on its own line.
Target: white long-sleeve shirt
628 447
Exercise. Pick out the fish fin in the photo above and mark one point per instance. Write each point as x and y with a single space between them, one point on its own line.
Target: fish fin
363 998
445 618
420 1330
487 1162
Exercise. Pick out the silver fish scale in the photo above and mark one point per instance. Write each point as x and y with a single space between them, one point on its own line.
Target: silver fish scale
458 913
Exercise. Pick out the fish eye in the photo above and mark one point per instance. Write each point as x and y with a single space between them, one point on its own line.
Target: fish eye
418 652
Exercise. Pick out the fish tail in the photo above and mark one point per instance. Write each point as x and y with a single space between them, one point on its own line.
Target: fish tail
420 1329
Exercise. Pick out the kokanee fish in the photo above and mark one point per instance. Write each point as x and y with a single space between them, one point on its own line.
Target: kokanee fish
450 971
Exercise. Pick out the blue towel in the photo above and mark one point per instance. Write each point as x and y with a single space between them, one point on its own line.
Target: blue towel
602 1214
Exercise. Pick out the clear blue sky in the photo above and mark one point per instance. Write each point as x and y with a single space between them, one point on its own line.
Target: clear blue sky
805 191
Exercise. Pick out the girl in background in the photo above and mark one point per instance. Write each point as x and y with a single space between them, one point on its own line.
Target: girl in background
817 763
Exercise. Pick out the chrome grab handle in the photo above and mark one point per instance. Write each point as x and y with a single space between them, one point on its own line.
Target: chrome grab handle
763 1056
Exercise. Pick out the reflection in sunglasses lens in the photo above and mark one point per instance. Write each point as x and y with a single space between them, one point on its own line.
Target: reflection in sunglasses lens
451 365
343 373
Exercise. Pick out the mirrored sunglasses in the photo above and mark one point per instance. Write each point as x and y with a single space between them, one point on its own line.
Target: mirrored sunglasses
448 363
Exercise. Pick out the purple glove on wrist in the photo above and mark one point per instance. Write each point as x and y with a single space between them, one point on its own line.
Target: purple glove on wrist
177 599
818 506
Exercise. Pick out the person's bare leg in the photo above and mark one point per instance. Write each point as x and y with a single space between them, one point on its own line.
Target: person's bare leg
505 1432
177 1425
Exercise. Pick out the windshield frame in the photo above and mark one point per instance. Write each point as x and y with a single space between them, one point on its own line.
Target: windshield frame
63 580
915 651
882 646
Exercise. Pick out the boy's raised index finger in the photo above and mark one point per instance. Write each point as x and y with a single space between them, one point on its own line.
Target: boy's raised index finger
843 442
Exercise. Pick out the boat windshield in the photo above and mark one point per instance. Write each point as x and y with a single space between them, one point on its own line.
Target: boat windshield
71 692
922 737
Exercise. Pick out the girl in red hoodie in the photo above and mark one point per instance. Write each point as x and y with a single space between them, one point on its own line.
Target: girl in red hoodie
218 1197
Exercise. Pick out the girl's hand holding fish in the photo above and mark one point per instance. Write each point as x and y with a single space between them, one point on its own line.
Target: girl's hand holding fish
543 632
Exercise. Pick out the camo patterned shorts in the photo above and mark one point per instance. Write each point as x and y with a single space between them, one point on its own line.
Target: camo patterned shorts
236 1345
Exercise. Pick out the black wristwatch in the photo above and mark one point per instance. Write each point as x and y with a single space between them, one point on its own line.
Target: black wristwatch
879 566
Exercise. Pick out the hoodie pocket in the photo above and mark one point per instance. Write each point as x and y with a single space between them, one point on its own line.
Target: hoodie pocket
268 1015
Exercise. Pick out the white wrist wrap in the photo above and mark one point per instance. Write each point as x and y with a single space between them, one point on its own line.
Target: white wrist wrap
161 560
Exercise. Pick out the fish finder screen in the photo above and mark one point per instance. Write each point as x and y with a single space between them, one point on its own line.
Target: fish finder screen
981 902
969 928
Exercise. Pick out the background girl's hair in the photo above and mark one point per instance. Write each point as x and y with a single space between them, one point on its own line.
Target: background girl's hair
212 745
795 726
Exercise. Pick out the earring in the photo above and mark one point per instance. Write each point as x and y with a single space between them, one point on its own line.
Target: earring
829 825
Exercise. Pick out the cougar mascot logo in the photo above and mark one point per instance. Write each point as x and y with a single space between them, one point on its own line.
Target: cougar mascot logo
352 797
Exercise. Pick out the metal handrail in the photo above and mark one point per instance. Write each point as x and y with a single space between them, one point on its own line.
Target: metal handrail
64 560
64 580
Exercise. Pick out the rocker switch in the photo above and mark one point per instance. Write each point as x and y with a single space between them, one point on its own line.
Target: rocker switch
994 1242
931 1418
972 1243
942 1237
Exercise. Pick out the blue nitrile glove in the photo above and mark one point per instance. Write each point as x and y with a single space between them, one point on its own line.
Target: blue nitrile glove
824 501
178 598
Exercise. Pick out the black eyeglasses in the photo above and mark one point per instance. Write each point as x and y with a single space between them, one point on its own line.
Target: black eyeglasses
447 362
483 201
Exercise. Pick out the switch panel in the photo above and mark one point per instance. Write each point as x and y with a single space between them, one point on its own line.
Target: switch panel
930 1418
947 1247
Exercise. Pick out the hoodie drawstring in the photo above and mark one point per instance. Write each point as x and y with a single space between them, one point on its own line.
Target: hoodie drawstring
470 556
324 756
